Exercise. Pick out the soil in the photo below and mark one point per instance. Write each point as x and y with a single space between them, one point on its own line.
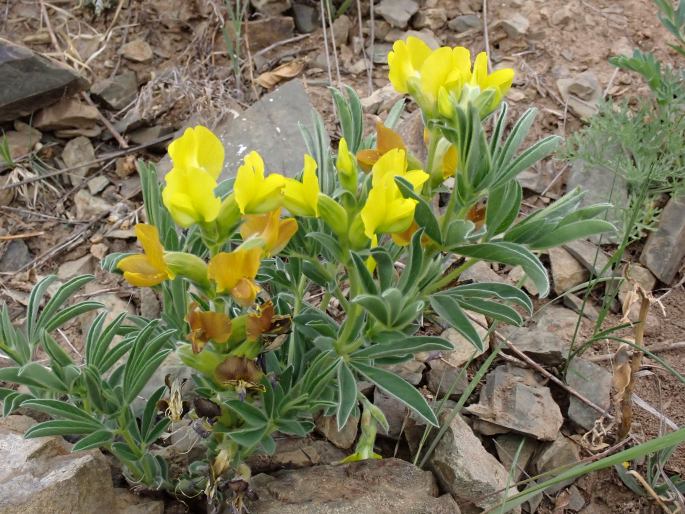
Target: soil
190 79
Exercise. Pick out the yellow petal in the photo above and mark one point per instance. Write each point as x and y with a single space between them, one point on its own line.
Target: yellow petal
392 163
148 236
210 151
480 70
418 51
245 292
449 162
189 196
373 212
345 162
227 269
435 71
248 179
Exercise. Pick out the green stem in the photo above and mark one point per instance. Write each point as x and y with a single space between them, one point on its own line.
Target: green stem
299 293
450 277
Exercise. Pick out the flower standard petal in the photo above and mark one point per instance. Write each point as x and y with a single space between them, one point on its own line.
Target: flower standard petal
210 151
140 272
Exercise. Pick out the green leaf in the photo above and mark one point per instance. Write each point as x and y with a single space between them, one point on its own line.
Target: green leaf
316 274
412 273
512 254
95 440
423 215
328 244
248 437
571 232
450 310
504 203
69 313
364 274
250 414
384 267
492 289
151 410
43 376
297 428
156 431
33 305
59 427
407 345
62 296
376 306
347 394
62 409
396 387
493 310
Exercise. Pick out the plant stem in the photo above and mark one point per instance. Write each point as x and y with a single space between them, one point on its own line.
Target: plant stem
451 276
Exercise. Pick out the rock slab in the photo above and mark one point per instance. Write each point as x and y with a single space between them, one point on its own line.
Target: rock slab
389 486
593 382
30 81
663 254
512 398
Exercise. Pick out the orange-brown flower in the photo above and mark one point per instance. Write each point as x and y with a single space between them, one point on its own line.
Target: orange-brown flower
274 231
207 326
386 139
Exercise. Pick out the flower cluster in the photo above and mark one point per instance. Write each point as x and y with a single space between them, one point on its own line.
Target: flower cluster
439 79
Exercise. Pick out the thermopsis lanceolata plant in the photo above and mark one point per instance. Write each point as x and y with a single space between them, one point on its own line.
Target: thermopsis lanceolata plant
250 267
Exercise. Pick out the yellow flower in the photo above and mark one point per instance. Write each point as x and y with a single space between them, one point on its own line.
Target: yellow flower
435 77
254 193
302 198
207 326
394 164
148 269
274 231
198 158
234 273
386 211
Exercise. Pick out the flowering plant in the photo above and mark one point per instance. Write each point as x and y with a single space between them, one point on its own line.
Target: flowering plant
282 293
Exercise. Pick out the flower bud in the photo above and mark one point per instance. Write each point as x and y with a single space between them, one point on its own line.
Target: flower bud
333 214
228 217
188 266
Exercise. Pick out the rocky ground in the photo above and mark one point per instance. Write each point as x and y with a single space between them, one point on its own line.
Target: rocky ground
140 71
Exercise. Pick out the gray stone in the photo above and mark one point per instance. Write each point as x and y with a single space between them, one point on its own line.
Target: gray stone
411 370
466 469
425 35
306 18
558 321
634 273
16 256
341 29
388 486
345 438
380 52
567 272
397 12
579 306
148 135
560 453
30 81
513 398
517 274
89 206
67 114
271 7
97 184
137 50
515 25
665 248
591 256
593 382
116 92
576 501
411 131
42 475
296 453
432 18
582 93
21 141
601 185
270 127
71 269
380 100
465 22
542 346
77 154
443 378
395 412
464 350
125 502
150 306
507 446
482 272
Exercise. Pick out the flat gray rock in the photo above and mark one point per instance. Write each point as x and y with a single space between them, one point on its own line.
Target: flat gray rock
663 254
388 486
592 381
601 185
30 81
512 398
271 127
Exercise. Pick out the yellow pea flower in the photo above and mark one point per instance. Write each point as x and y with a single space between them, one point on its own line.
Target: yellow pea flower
148 269
274 231
394 164
386 139
207 326
255 193
234 274
435 78
198 158
302 198
386 211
